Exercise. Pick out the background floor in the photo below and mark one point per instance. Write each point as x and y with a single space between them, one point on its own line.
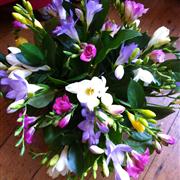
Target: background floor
165 166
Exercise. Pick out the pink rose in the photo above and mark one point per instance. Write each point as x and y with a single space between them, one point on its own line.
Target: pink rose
89 52
62 105
157 56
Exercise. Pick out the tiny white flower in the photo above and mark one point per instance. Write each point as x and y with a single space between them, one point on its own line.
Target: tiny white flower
143 75
160 37
119 72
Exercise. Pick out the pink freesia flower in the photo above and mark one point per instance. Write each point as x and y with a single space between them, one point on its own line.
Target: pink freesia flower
89 52
157 56
166 138
62 105
29 135
19 25
64 121
141 160
132 169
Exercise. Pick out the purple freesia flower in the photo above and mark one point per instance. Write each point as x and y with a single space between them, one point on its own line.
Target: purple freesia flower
157 56
17 88
116 153
64 121
125 53
110 26
87 126
29 135
67 26
167 139
133 10
92 7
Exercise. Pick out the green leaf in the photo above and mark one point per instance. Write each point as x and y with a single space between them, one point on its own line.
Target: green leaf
161 111
18 131
121 36
57 81
32 54
42 100
75 159
136 96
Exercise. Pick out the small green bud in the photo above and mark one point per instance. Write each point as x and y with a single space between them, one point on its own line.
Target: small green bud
76 46
147 113
17 9
54 160
146 60
105 168
166 87
29 7
74 56
173 86
94 175
139 61
68 53
19 18
150 132
134 53
143 121
95 166
153 121
44 160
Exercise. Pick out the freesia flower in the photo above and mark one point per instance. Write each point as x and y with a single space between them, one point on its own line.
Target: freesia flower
119 72
116 153
133 10
88 91
87 126
110 26
29 135
143 75
62 105
89 52
158 147
157 56
64 121
92 7
132 169
166 138
141 160
116 109
67 26
160 37
61 167
79 14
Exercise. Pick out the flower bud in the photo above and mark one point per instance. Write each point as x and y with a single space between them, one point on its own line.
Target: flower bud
64 121
104 118
153 121
119 72
17 9
166 138
147 113
143 121
29 7
54 160
135 53
116 109
13 107
95 166
158 147
105 168
79 14
20 18
96 150
20 41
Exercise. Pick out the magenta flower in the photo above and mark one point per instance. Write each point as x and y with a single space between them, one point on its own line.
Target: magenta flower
132 169
64 121
157 56
133 10
89 52
19 25
62 105
29 135
141 160
110 26
167 139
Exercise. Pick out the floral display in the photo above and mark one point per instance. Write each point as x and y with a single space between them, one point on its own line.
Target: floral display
85 83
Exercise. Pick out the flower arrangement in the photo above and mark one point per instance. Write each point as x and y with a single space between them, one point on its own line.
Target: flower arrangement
84 83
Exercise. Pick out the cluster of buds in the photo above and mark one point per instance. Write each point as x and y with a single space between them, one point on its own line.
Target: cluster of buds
140 121
25 15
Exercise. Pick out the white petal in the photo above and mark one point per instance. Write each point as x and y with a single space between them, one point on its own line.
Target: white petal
53 173
23 73
107 99
73 88
32 88
96 150
119 72
91 104
2 66
116 109
14 50
12 60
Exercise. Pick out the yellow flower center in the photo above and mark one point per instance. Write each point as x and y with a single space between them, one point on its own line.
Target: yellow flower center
89 91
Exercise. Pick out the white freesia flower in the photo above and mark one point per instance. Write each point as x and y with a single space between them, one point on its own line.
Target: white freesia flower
119 72
160 37
89 91
143 75
61 167
12 60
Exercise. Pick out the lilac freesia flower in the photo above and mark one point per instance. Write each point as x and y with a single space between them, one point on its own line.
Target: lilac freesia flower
133 10
29 135
87 126
67 26
19 25
166 138
125 53
157 56
92 7
110 26
62 105
89 52
116 153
